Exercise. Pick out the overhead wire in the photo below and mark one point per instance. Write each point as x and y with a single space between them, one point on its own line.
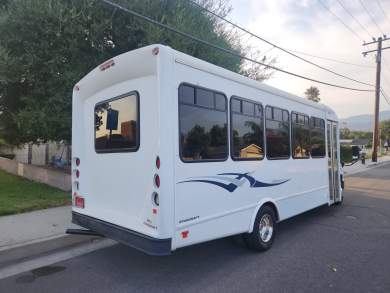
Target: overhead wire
354 18
232 53
383 11
275 45
332 59
387 66
387 98
341 21
371 17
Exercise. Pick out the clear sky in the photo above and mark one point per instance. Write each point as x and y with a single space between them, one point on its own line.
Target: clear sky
306 26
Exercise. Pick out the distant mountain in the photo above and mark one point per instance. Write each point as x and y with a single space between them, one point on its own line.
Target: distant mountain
363 122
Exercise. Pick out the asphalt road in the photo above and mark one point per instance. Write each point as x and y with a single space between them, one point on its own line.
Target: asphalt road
330 249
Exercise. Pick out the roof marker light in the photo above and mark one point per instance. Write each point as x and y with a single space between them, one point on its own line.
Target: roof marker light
155 51
107 65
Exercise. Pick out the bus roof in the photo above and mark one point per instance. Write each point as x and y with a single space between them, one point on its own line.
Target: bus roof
94 81
217 70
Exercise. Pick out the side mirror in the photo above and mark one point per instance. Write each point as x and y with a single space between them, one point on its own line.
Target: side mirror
342 164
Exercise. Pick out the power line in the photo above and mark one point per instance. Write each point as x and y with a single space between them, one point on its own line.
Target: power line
386 64
269 50
356 20
333 60
340 20
387 98
372 18
206 43
383 11
273 44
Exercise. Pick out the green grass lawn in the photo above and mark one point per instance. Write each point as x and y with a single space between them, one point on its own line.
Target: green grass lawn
18 195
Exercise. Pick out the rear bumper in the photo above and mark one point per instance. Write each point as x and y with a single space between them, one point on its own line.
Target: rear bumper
147 244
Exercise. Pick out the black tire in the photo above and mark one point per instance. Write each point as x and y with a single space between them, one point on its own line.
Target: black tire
253 240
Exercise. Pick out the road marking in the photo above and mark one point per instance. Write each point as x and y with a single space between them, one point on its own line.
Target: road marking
54 258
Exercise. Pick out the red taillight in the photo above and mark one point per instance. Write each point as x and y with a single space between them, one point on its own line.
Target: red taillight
77 161
157 180
77 173
158 162
79 202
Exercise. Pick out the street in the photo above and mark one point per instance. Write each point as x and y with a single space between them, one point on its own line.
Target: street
343 248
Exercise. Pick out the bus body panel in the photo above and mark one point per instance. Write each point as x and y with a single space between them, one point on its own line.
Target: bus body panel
201 206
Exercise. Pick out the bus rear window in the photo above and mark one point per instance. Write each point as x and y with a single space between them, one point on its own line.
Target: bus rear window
117 124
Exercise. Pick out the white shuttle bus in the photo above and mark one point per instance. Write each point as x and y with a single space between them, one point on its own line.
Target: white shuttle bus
169 151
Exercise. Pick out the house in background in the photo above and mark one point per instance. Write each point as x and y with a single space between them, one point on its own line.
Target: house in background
359 146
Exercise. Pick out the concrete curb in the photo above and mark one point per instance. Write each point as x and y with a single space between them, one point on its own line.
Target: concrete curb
369 167
31 250
30 257
34 241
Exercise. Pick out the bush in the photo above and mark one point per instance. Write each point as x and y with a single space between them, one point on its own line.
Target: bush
346 153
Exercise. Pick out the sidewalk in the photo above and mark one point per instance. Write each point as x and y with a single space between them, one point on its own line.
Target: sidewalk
359 167
33 227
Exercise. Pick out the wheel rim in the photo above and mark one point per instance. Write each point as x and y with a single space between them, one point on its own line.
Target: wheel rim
266 228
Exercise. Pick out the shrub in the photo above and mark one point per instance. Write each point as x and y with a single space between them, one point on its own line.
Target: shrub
346 153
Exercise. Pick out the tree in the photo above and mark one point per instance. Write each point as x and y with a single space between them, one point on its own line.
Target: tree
313 94
385 129
345 133
198 140
254 70
47 46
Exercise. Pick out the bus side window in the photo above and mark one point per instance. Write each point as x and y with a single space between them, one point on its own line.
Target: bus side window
247 129
277 125
300 136
202 125
317 137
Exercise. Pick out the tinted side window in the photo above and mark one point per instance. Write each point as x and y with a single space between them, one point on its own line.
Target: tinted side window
300 136
277 133
117 124
247 133
203 126
317 137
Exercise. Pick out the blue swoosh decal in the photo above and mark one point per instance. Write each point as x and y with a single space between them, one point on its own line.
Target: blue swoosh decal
233 186
229 187
251 180
264 184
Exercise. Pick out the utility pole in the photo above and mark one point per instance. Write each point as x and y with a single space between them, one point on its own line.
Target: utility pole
375 136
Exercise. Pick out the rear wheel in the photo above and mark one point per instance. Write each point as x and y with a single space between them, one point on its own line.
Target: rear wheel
263 234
